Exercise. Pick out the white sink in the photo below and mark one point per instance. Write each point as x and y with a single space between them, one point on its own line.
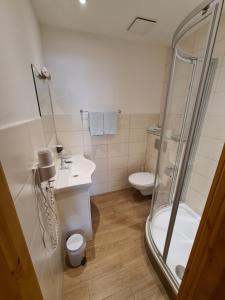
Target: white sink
78 174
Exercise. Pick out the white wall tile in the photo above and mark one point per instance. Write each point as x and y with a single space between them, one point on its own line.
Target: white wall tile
111 152
38 252
217 105
213 127
196 201
118 162
136 163
137 135
121 149
153 120
118 175
16 156
99 151
220 86
123 121
26 207
36 136
85 125
68 122
94 140
74 150
70 139
121 137
221 31
137 148
151 164
101 164
210 148
88 152
56 267
19 147
139 121
99 188
200 184
118 185
212 136
205 167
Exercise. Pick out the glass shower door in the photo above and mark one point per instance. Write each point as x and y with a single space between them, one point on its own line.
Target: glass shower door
191 203
173 140
172 223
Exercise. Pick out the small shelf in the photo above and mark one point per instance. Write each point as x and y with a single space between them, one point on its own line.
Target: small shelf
175 137
155 131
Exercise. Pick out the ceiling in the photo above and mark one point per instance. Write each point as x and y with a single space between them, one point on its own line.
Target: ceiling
112 17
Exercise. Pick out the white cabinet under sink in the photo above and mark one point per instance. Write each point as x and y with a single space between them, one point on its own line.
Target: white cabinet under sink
73 197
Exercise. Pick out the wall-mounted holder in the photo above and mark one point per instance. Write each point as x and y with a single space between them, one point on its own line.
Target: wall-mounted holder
45 167
43 173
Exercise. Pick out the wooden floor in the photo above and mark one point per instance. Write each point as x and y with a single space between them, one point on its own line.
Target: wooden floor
117 265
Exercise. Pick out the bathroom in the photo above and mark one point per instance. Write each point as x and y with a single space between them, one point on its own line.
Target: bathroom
135 190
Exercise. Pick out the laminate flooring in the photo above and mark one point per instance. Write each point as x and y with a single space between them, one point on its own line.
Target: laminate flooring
117 265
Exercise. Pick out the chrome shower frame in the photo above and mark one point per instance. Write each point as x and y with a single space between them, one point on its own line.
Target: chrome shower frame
207 7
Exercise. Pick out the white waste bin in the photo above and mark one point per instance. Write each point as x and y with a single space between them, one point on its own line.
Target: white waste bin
75 248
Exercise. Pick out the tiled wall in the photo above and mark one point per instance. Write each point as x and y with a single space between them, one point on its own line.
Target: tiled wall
213 132
19 146
115 156
151 153
98 73
21 133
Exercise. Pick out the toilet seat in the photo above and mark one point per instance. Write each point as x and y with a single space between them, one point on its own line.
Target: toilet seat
142 179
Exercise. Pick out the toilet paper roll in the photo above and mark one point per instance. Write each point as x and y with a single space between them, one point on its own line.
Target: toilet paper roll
45 158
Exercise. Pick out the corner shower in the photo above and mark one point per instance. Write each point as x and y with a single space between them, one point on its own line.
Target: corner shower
173 223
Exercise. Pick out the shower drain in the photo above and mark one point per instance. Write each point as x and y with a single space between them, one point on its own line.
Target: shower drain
180 271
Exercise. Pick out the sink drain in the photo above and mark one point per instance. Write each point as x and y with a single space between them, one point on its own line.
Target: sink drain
180 271
75 175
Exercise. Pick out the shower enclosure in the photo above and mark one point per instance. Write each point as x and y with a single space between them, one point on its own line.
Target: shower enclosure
172 224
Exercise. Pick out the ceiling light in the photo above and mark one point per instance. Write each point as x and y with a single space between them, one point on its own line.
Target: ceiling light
83 2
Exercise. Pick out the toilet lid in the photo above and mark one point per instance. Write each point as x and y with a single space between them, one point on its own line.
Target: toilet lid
74 242
142 179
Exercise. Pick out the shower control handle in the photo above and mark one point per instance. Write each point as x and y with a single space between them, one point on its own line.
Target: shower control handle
169 171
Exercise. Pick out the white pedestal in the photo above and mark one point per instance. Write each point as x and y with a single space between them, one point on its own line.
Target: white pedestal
75 212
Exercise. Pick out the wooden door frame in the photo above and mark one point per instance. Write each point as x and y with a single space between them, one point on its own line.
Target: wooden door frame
18 279
204 277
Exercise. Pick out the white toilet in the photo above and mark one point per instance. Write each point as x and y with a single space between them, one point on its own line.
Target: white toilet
143 181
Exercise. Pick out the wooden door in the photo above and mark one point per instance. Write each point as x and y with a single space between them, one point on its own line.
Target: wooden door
204 276
17 276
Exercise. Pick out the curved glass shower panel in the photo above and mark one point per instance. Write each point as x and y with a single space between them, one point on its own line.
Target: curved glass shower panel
170 153
181 235
172 223
199 176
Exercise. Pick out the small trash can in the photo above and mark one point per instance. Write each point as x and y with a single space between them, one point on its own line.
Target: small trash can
75 248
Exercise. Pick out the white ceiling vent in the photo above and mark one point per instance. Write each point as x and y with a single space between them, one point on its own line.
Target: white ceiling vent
141 26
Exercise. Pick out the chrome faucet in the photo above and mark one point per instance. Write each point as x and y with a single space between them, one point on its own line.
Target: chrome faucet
59 149
62 166
64 162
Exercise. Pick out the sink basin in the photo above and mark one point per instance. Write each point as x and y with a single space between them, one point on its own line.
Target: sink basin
78 174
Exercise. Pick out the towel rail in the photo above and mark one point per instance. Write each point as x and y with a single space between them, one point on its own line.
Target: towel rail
86 111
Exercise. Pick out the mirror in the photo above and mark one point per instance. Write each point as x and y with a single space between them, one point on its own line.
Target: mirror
44 101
